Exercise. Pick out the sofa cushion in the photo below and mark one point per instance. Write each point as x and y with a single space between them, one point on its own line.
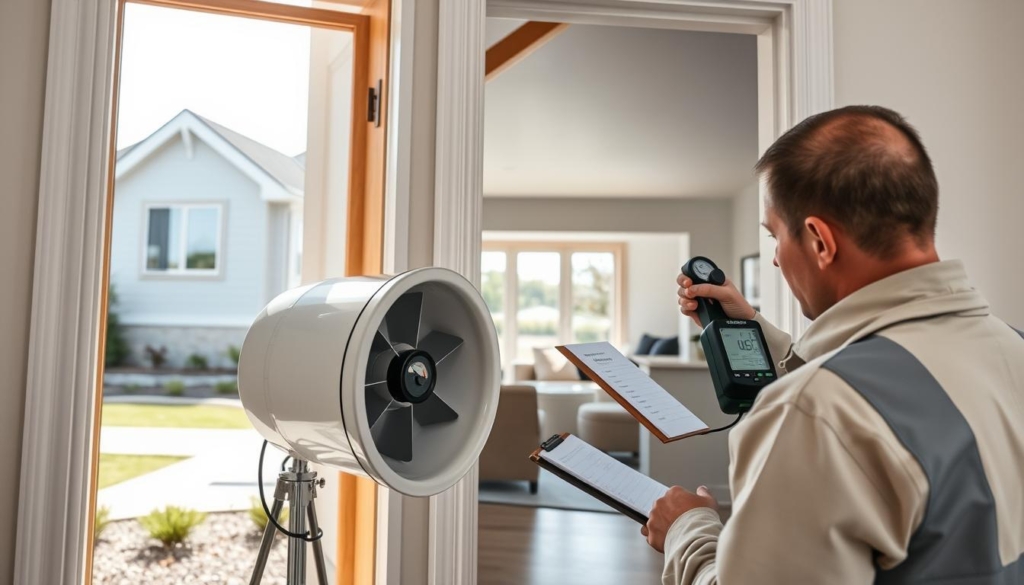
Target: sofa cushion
549 365
645 345
666 346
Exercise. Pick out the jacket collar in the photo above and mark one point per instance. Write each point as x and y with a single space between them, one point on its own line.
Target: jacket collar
939 288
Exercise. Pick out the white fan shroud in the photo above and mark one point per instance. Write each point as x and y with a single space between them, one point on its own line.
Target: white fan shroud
302 376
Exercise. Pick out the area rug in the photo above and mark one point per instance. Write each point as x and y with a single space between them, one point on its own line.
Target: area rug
552 492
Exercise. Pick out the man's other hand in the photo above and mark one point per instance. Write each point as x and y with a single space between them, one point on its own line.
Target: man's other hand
732 300
669 508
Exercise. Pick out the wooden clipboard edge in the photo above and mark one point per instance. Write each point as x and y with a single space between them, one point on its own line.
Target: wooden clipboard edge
576 361
587 489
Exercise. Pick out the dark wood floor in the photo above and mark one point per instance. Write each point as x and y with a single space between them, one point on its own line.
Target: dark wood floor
544 546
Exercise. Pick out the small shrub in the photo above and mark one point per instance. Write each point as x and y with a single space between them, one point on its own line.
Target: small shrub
101 522
172 525
233 353
174 387
197 362
156 357
116 348
131 389
259 516
227 387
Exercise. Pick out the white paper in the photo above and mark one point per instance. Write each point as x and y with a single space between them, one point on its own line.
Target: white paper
652 401
596 468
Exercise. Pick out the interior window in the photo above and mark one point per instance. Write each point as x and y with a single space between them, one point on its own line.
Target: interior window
593 301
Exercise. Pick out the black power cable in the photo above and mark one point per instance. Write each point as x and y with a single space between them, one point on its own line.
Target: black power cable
728 426
263 500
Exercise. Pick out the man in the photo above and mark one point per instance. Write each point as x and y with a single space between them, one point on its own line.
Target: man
892 451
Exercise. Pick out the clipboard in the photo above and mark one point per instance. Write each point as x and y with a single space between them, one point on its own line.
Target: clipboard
654 430
618 506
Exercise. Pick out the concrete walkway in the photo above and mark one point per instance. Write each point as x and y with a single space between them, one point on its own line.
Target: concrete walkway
171 400
220 473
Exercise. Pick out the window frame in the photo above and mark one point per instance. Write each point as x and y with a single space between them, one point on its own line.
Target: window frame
184 271
565 249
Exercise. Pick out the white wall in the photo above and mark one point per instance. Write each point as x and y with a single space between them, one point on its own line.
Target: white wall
746 227
955 68
233 297
709 222
24 29
652 265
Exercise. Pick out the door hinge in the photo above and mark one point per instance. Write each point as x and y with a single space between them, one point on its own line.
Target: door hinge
373 103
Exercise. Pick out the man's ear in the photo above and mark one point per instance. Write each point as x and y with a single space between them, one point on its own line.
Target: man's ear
822 240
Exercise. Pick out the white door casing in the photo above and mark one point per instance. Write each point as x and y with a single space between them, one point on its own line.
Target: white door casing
67 288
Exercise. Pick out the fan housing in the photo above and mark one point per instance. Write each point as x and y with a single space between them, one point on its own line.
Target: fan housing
392 377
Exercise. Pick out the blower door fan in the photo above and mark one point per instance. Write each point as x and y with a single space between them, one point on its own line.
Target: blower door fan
404 386
393 377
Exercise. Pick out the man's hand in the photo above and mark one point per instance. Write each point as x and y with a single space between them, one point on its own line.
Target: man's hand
669 508
732 300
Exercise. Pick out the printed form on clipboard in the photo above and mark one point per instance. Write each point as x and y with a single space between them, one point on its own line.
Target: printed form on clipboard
600 475
664 416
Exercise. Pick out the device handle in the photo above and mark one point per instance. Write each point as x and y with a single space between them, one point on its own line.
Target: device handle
708 310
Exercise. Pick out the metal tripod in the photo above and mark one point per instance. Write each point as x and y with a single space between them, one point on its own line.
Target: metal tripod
297 485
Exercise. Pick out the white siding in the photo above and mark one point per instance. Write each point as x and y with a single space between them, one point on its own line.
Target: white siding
238 293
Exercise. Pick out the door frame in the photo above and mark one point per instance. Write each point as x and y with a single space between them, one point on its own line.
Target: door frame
795 72
794 41
58 465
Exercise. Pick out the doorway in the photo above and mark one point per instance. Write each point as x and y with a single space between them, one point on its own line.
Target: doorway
241 139
794 80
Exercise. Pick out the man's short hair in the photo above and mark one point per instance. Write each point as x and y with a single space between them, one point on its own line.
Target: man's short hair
862 168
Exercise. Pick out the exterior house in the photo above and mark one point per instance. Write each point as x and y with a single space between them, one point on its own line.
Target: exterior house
207 229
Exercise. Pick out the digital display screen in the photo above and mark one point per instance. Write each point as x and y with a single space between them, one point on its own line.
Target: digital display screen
743 348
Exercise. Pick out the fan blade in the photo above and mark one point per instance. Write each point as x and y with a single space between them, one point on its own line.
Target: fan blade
381 344
375 405
393 434
439 345
381 354
403 319
433 411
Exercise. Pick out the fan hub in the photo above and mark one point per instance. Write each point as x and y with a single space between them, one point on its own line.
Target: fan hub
412 376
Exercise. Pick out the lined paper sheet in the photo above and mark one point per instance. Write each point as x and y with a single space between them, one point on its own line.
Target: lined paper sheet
595 468
652 401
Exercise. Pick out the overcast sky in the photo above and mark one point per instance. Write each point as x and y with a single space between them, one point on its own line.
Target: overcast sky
249 75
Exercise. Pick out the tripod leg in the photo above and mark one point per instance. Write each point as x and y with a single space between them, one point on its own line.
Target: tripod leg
266 544
318 549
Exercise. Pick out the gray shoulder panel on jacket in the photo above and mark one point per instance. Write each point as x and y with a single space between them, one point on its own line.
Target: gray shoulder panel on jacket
958 537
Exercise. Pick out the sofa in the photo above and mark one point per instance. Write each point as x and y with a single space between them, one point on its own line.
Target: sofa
515 434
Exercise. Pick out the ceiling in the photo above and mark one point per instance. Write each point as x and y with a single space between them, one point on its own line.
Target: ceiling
623 112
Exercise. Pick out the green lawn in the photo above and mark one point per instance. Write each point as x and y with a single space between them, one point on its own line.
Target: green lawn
117 468
186 416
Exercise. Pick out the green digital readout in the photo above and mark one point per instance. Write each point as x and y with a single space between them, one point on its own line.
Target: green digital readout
743 347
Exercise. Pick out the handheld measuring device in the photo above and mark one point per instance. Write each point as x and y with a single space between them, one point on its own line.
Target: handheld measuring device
736 350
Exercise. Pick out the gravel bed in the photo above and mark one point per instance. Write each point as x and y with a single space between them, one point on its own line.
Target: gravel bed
221 550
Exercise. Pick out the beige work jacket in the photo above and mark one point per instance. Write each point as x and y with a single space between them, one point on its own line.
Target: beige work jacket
823 489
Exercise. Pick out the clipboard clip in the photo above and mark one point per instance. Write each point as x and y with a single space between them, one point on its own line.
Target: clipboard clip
553 442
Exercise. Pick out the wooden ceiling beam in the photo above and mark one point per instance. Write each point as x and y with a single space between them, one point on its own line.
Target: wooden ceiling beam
518 45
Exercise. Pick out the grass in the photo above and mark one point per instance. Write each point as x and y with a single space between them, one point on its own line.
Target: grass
117 468
190 416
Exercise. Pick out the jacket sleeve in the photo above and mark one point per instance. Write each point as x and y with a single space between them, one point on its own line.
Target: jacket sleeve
779 342
804 511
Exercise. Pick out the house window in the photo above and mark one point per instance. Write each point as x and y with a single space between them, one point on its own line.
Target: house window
559 293
183 239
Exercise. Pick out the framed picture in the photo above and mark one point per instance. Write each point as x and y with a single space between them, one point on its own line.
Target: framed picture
750 279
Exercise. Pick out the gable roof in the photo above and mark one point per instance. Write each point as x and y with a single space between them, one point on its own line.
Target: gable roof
287 173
